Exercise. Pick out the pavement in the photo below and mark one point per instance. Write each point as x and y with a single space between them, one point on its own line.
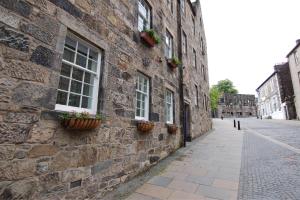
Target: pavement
208 170
259 162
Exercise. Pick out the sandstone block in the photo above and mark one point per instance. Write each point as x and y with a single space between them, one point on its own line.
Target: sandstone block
24 189
16 170
40 133
13 133
42 150
75 174
13 39
21 7
7 152
68 7
43 56
101 166
63 160
25 118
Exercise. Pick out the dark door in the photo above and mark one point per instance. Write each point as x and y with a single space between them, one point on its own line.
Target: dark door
187 126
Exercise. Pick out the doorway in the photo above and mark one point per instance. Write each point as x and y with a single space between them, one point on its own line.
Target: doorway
187 122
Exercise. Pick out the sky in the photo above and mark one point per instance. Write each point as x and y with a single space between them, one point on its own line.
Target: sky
246 38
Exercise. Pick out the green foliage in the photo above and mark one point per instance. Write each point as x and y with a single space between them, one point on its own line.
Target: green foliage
176 60
226 86
154 35
214 97
78 115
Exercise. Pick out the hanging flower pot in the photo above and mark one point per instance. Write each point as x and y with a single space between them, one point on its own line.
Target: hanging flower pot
172 128
145 126
80 121
173 62
150 37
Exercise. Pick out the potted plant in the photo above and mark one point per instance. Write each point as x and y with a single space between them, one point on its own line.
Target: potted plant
172 128
145 126
173 62
150 37
80 121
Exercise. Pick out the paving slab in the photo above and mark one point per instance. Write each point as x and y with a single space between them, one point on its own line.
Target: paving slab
207 169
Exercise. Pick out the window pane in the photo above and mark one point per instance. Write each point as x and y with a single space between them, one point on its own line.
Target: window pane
140 23
62 98
82 49
93 55
64 83
69 55
77 74
74 100
92 65
87 90
88 78
86 102
142 9
65 70
70 43
76 87
81 60
138 112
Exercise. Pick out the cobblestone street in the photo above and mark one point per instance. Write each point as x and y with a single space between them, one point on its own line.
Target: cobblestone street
259 162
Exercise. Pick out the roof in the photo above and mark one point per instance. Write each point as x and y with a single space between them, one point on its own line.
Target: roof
266 80
297 45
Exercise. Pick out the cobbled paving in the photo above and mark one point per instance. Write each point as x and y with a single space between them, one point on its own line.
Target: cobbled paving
268 171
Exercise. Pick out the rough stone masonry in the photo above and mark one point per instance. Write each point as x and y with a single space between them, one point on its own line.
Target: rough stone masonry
40 159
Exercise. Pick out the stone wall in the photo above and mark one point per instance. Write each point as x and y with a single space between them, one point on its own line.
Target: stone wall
239 105
39 159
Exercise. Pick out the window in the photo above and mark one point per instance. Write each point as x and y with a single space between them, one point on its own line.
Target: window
184 44
170 5
202 46
169 106
79 77
144 17
195 59
203 72
196 96
194 26
182 6
169 45
296 58
142 97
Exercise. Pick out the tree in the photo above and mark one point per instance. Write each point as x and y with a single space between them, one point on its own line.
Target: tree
214 97
226 86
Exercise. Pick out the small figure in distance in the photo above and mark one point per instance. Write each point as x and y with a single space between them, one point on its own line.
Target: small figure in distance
222 117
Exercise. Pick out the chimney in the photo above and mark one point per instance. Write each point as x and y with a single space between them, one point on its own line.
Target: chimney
298 41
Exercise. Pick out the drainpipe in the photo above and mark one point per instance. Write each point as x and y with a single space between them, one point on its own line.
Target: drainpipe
180 79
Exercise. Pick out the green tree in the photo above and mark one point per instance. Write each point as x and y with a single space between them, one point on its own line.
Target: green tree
226 86
214 97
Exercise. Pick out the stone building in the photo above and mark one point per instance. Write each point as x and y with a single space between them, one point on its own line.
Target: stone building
59 56
275 95
236 105
294 64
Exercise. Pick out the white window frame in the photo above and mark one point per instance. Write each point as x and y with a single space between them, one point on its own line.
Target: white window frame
170 112
93 109
146 24
145 93
169 45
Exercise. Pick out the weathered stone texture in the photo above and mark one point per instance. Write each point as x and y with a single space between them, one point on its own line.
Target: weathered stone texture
49 162
13 39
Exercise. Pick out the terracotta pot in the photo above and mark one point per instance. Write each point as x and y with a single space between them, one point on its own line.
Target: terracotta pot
81 124
172 128
150 41
171 64
145 126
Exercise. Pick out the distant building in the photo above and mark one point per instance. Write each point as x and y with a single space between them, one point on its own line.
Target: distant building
236 105
275 95
293 59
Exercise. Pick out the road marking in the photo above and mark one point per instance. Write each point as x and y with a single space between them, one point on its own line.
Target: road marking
284 145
